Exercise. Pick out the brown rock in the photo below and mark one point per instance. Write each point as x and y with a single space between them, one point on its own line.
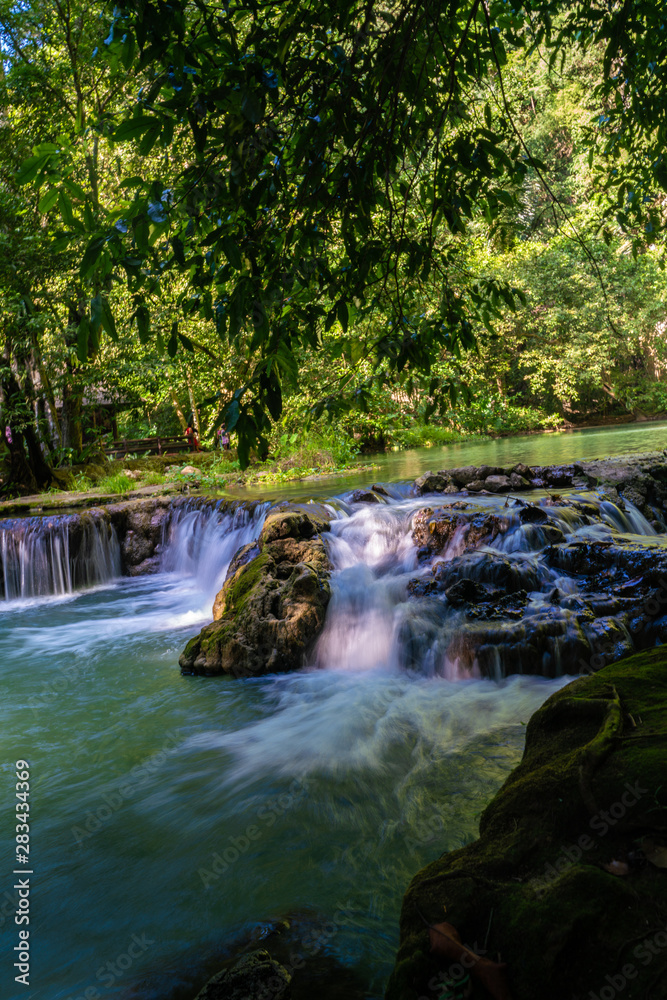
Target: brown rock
429 483
272 606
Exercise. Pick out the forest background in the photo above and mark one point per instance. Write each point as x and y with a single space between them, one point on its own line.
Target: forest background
574 333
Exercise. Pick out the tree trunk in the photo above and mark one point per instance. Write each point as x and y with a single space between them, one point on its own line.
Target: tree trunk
27 473
179 412
193 404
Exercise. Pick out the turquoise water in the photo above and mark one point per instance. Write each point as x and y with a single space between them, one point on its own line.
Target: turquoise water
172 816
532 449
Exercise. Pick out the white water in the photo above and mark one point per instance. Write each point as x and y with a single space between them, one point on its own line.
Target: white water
57 555
353 774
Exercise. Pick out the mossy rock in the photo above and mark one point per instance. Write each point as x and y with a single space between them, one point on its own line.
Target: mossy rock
272 607
590 791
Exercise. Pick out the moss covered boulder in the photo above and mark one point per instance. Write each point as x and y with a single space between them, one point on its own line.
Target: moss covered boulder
272 606
567 885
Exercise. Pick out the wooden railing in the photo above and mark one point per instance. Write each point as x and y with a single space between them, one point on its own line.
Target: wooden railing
143 446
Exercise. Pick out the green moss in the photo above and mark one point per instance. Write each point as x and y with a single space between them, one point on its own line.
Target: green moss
591 785
245 581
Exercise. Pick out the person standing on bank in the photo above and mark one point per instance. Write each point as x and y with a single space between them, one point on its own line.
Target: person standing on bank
192 439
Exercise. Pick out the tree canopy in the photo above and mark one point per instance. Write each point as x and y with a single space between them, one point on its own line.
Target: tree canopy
282 170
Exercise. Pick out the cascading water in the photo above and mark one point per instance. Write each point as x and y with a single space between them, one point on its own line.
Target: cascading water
473 587
189 813
57 555
201 540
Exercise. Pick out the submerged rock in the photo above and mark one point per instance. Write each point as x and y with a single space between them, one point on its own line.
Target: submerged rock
560 883
253 976
272 606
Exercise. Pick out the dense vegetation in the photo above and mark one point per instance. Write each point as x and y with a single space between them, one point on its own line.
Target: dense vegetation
364 223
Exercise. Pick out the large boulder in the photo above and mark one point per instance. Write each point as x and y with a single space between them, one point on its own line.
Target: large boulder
563 894
273 603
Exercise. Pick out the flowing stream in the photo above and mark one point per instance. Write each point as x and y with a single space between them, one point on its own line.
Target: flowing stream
173 819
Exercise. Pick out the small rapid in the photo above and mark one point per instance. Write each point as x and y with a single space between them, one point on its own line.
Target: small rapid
476 587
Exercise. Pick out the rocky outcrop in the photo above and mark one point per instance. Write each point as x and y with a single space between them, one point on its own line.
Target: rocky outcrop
433 529
567 883
272 606
640 479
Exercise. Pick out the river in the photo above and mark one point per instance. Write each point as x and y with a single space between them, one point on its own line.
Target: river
531 449
173 818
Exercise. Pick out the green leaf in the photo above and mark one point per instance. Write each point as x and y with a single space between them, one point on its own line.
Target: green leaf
48 200
343 314
251 106
232 252
30 168
65 206
91 255
134 128
172 346
187 343
179 252
108 322
143 318
96 312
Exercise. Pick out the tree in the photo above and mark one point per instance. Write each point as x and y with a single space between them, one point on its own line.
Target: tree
322 165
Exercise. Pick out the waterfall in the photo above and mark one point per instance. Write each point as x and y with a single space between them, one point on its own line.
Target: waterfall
57 555
463 589
202 539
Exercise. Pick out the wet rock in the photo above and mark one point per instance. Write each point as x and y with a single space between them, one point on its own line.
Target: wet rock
508 606
520 482
498 484
377 488
560 920
434 530
547 642
490 567
464 592
588 557
531 514
364 496
523 470
476 485
149 566
430 482
462 476
609 640
254 976
272 606
484 471
141 526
